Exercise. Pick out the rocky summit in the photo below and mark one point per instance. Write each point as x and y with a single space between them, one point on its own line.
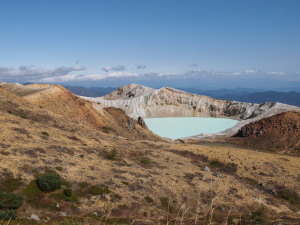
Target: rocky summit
67 159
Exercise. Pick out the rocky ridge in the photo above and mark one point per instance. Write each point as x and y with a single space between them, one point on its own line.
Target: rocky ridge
169 102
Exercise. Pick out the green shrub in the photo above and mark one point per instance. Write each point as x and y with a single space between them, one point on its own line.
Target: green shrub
230 221
165 203
68 192
98 190
8 214
289 195
59 168
145 161
49 182
259 216
66 183
10 201
45 133
117 196
112 155
83 184
149 199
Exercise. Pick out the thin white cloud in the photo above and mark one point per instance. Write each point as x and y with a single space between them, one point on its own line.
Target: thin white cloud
123 74
113 68
71 77
34 73
250 71
276 73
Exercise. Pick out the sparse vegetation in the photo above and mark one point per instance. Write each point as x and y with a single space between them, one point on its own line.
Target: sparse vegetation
8 214
149 199
98 190
49 182
83 184
59 168
289 195
259 217
189 176
10 184
32 193
112 155
68 192
10 201
224 167
117 196
106 130
145 161
45 133
130 177
165 203
8 204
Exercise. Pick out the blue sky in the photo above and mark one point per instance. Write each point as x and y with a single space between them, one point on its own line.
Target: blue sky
111 42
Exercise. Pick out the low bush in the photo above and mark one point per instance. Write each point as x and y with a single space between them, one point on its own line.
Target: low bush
98 190
49 182
59 168
149 199
112 155
45 133
259 217
145 161
68 192
8 214
10 201
83 184
165 203
289 195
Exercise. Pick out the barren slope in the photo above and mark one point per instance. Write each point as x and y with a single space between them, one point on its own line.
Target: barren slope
60 101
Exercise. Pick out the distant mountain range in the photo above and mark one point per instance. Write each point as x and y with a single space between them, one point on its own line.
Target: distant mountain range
290 98
250 95
237 94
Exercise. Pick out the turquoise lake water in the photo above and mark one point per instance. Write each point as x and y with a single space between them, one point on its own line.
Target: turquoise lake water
181 127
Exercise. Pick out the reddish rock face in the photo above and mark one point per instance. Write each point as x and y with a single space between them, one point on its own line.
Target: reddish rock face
275 133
